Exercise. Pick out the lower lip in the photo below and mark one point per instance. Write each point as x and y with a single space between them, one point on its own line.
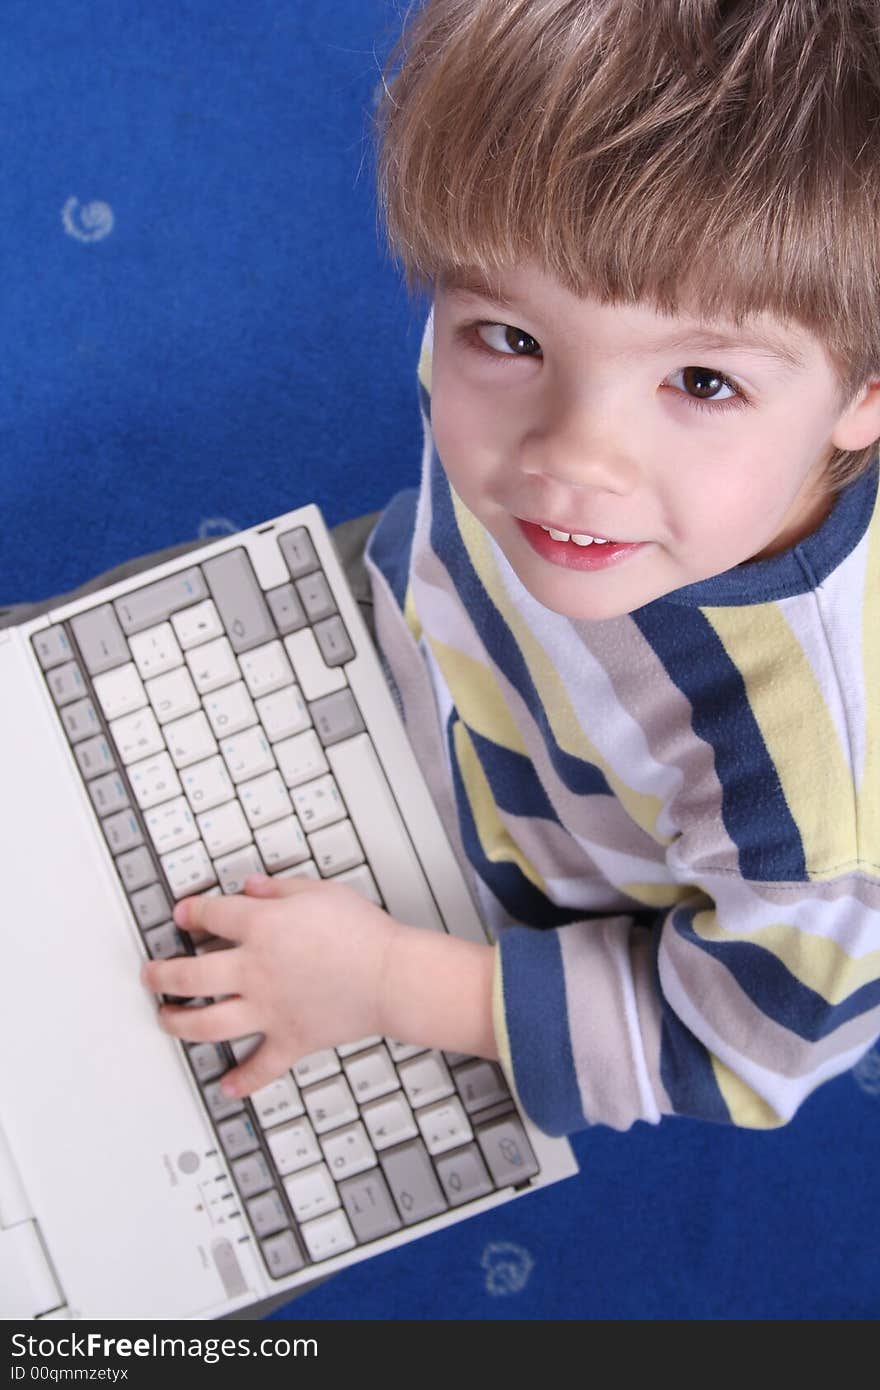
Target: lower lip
575 557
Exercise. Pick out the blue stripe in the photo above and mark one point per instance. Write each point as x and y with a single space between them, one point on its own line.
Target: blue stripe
685 1064
517 894
771 987
390 544
754 810
516 786
537 1027
581 777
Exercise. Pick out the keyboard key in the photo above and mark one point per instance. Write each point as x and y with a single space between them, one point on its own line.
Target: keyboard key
266 669
348 1151
361 880
330 1104
444 1125
426 1079
212 665
346 1049
171 825
264 799
282 844
318 803
480 1084
80 720
173 695
120 691
108 793
293 1146
190 739
150 906
389 1121
328 1235
507 1151
153 780
278 1101
207 784
66 683
220 1105
51 646
94 756
463 1175
286 608
198 624
410 1176
137 735
298 551
336 848
368 1204
123 831
247 754
334 641
300 758
314 677
282 1254
136 868
100 639
239 599
189 870
336 717
224 829
315 596
154 602
233 869
230 710
317 1066
401 1051
252 1174
208 1060
311 1192
267 1213
283 713
371 1074
238 1136
164 942
156 651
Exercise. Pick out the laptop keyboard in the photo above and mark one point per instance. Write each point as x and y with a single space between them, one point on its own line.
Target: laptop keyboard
215 730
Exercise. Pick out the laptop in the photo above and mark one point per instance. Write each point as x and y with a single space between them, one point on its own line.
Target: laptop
222 713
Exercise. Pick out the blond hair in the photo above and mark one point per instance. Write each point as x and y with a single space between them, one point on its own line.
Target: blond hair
719 154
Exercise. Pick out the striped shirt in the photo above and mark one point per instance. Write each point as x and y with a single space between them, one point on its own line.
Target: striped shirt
670 819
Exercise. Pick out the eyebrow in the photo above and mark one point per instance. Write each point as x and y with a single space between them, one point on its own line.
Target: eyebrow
700 339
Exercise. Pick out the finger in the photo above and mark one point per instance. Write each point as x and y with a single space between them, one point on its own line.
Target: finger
223 916
232 1018
263 1066
262 886
217 972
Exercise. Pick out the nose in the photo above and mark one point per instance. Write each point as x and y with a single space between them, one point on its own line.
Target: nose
582 444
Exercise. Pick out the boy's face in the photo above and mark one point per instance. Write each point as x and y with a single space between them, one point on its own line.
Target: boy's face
618 422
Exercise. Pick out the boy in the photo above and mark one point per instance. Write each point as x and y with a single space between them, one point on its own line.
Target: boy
633 613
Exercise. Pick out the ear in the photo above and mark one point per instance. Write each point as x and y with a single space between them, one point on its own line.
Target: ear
859 425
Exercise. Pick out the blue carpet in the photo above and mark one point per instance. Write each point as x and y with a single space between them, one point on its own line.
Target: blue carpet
202 331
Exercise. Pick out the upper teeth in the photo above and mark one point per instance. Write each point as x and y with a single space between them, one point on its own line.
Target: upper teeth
578 538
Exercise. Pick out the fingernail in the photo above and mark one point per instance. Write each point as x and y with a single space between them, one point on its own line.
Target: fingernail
228 1087
181 913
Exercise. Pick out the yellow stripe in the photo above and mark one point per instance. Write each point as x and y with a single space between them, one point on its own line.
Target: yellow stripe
565 724
498 845
796 726
747 1109
815 961
477 697
411 617
868 791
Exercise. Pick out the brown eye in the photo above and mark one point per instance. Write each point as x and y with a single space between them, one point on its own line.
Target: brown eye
509 341
702 382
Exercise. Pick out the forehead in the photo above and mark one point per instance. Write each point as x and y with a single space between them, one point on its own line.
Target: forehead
531 291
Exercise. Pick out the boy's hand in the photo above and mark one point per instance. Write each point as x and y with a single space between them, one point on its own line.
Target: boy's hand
307 970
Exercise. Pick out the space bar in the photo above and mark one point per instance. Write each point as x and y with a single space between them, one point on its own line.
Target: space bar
382 832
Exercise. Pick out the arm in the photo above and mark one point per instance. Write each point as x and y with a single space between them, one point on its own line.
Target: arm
314 964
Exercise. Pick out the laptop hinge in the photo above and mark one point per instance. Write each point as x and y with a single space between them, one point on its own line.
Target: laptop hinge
14 1205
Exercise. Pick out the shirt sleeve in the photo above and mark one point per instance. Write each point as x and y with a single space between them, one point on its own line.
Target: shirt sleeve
731 1010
